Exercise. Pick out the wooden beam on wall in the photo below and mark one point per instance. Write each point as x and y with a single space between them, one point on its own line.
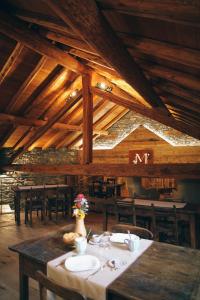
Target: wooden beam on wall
86 19
124 170
149 112
16 30
87 119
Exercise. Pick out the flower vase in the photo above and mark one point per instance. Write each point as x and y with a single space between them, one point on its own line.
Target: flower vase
80 227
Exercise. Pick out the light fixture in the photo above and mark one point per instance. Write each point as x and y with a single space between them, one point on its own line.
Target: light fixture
73 94
103 86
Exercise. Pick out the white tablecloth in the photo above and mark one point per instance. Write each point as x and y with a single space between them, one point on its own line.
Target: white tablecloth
156 203
95 286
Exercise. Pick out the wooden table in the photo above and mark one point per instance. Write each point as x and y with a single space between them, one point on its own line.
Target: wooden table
18 191
189 213
163 272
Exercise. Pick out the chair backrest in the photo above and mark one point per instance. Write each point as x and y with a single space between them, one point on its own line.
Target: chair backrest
140 231
48 284
125 208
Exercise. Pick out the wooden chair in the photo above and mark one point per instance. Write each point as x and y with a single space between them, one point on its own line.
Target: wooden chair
125 211
56 202
167 225
34 201
140 231
48 284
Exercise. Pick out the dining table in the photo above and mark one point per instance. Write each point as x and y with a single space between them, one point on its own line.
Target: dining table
20 190
187 212
162 272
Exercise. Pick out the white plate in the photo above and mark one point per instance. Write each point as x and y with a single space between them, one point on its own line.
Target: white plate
120 237
82 263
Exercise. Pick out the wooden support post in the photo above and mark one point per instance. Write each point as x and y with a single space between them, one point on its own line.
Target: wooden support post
87 119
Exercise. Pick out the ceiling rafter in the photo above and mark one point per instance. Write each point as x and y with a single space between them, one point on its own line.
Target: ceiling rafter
21 121
13 102
11 61
150 113
181 10
97 32
15 29
32 99
42 130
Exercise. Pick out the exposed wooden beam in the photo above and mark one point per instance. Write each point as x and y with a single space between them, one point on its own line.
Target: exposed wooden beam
168 98
175 11
87 119
124 170
16 30
14 101
69 41
173 53
10 61
150 113
177 77
43 20
174 89
41 131
7 134
97 32
12 119
38 96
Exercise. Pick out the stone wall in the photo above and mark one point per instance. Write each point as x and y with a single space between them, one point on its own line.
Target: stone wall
37 156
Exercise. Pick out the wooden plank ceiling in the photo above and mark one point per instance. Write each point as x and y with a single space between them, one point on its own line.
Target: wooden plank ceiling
147 52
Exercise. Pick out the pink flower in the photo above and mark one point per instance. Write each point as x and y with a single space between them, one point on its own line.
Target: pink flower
80 196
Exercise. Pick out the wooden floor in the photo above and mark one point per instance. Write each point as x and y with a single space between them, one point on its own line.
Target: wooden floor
11 234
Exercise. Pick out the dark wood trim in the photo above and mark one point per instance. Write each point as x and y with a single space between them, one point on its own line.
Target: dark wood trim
87 119
154 170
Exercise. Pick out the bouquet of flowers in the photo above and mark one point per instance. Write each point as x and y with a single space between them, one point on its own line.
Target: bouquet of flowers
80 206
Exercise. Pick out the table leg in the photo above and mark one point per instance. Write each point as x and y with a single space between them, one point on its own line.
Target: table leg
193 231
23 284
105 218
17 208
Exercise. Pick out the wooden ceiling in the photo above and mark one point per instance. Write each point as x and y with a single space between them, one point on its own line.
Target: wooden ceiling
147 51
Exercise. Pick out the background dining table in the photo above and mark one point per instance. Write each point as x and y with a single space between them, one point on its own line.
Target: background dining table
19 190
162 272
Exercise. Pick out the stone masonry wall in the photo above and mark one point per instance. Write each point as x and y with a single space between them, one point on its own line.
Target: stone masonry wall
37 156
